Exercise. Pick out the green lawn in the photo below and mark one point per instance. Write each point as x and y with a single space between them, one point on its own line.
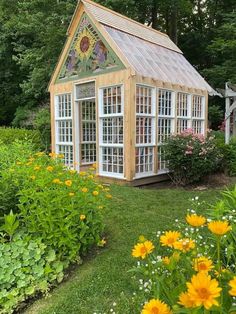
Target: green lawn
103 279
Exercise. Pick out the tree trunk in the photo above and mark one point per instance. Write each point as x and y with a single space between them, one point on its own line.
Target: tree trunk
154 15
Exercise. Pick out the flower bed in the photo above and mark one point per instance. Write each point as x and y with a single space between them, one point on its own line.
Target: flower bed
190 269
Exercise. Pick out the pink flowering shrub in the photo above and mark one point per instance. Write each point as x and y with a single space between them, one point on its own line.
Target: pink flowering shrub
191 156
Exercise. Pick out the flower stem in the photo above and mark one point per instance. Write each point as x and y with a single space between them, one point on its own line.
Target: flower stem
219 270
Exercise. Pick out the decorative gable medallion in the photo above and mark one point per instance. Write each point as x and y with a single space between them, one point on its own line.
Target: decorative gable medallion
89 54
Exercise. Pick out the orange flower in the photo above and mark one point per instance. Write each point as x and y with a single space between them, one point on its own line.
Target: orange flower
184 245
195 220
142 249
219 227
156 306
169 238
202 264
184 299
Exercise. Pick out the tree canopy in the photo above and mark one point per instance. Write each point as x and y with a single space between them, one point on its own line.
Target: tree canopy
33 32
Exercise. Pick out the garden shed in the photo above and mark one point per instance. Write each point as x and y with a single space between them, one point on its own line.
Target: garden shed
119 90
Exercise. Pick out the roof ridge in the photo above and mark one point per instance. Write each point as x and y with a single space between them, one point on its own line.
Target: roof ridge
125 17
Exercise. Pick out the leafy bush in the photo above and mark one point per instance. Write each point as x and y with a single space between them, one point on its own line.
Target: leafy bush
190 269
27 266
10 135
228 153
190 157
59 205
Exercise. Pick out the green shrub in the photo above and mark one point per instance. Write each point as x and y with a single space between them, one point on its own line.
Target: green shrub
9 135
27 266
190 157
59 205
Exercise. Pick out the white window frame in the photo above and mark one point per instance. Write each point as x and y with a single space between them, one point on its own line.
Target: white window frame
170 117
187 117
78 121
109 145
152 115
63 119
203 113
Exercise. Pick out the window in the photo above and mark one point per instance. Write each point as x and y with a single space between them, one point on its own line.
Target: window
166 122
198 114
64 136
145 130
111 131
183 112
88 131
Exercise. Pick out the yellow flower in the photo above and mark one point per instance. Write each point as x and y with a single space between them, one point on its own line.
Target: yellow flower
108 196
203 290
72 171
71 194
156 306
176 256
19 163
184 299
60 156
102 242
82 217
31 159
202 264
166 260
37 168
39 154
82 173
95 193
219 227
195 220
57 181
142 249
184 245
232 284
90 176
84 190
33 177
91 168
142 238
94 166
50 168
169 238
100 186
52 155
100 207
107 189
68 183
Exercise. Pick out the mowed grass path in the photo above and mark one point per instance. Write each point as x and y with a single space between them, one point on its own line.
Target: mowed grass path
103 279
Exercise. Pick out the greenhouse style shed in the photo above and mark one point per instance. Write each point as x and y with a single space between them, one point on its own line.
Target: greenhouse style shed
119 90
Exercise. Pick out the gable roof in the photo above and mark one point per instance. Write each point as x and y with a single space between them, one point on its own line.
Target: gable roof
148 52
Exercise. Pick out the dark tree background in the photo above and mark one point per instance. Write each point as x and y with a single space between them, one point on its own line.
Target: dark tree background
33 32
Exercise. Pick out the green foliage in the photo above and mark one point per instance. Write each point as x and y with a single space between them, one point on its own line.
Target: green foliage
215 116
190 157
27 267
10 135
11 223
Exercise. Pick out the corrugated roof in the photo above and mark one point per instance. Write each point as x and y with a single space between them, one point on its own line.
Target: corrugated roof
125 24
151 60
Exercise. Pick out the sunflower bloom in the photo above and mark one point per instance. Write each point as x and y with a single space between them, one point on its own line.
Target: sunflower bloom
184 299
232 284
202 264
203 290
219 227
195 220
184 245
142 249
169 238
156 306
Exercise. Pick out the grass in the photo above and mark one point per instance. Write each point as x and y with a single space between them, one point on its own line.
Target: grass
103 279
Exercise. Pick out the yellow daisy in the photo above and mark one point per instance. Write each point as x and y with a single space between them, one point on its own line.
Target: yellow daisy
156 306
202 264
95 193
166 260
219 227
68 183
84 190
169 238
203 290
232 284
195 220
184 245
142 249
184 299
82 217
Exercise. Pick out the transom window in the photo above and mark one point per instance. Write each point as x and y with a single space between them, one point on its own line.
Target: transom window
111 131
145 129
64 134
